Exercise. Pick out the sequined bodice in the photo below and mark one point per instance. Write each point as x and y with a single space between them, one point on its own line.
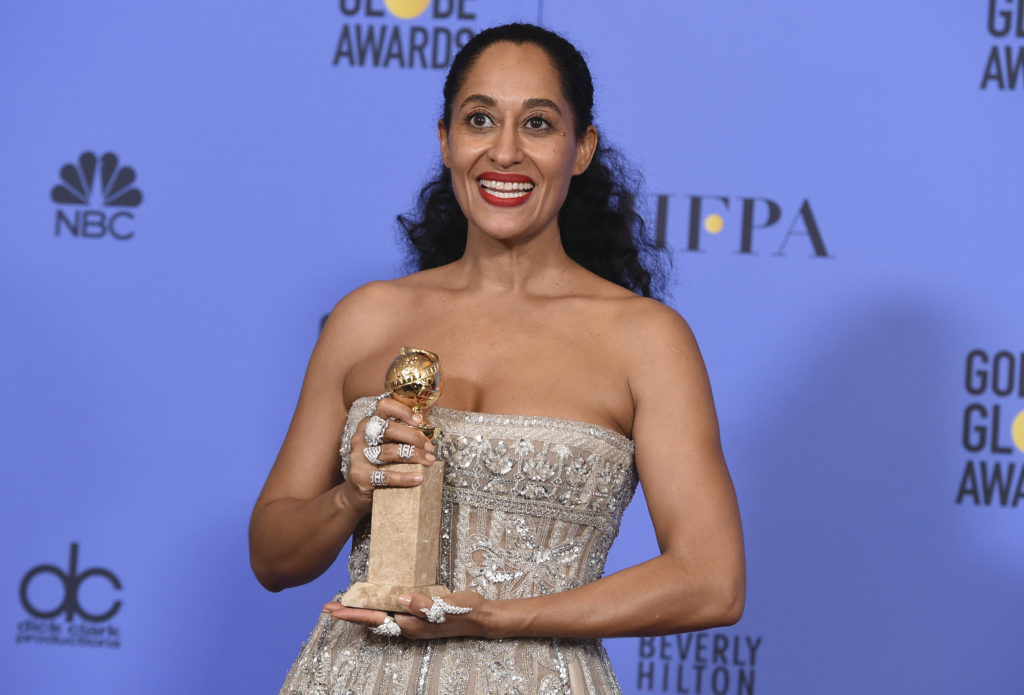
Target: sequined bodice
530 506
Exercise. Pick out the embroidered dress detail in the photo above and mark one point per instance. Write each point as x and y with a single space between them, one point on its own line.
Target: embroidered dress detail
530 506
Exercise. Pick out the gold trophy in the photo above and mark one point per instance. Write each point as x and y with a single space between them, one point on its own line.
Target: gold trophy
405 523
414 379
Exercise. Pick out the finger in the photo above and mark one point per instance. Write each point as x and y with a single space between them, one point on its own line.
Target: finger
403 434
452 606
389 454
360 433
380 427
405 453
400 478
390 408
415 604
362 616
370 454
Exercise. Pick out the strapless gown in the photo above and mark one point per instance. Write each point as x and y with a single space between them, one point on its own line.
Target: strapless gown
530 506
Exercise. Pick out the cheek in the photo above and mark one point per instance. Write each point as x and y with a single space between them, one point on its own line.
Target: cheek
564 166
461 156
462 186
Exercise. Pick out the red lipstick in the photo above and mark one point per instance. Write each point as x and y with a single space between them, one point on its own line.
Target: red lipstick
503 189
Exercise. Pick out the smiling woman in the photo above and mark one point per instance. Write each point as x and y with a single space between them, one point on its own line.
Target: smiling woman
511 142
598 223
565 385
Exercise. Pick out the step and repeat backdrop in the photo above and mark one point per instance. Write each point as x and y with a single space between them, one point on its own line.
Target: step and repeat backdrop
189 187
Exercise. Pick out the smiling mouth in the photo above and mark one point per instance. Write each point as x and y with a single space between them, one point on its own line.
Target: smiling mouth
505 189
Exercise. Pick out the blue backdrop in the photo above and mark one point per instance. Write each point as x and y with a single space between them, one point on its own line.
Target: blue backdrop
188 187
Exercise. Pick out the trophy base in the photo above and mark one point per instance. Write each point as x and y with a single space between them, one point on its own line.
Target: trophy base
384 597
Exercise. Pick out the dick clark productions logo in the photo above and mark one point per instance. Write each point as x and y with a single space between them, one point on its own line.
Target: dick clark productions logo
81 626
100 198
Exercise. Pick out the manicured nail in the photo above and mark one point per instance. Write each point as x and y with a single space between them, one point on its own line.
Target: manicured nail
405 600
430 457
429 446
416 478
417 418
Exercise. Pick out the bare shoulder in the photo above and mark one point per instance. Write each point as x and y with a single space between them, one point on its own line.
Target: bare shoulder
649 326
661 351
643 330
659 325
365 297
362 306
430 279
357 319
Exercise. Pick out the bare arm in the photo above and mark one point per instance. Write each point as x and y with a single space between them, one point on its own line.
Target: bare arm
306 513
698 580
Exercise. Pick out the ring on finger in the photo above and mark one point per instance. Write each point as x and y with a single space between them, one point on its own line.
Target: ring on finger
372 454
377 399
379 478
389 628
405 451
436 613
376 426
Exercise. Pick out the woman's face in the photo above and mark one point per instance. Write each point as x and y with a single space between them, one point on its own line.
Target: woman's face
511 147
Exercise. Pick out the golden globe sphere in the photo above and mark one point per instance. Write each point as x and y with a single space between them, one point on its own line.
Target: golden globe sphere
414 378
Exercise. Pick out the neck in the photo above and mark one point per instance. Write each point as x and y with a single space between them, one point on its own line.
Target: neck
537 265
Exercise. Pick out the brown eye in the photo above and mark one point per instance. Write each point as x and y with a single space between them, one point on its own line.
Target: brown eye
537 123
479 120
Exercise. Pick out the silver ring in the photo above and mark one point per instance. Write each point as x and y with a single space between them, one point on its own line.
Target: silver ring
379 478
405 451
389 628
436 613
372 454
376 426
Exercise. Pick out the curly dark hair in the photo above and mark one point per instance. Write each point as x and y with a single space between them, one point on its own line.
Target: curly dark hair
600 226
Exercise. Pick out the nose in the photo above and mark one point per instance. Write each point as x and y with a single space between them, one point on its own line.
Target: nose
506 148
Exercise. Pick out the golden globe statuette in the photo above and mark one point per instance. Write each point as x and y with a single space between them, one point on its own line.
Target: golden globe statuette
405 523
414 378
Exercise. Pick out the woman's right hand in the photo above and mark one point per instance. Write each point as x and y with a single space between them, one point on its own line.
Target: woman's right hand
402 442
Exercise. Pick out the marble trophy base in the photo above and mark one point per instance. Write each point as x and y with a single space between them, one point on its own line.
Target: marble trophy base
384 597
405 530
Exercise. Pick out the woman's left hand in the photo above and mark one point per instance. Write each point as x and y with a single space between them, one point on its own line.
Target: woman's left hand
415 624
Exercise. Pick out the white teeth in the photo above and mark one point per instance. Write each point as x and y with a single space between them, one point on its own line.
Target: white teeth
507 194
494 186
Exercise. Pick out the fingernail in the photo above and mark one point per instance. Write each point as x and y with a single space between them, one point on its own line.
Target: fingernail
416 478
430 457
429 446
417 418
405 600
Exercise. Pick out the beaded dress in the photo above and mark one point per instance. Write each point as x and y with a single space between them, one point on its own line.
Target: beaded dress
530 506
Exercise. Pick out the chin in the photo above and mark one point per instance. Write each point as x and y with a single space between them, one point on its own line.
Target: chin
507 232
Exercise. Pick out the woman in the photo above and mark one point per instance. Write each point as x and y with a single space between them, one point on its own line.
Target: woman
558 376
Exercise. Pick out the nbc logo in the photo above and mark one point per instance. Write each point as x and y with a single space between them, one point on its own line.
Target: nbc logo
112 186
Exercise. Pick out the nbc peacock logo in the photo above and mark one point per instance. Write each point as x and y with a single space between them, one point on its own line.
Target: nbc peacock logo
102 192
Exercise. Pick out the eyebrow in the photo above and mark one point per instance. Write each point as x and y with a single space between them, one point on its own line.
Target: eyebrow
534 103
